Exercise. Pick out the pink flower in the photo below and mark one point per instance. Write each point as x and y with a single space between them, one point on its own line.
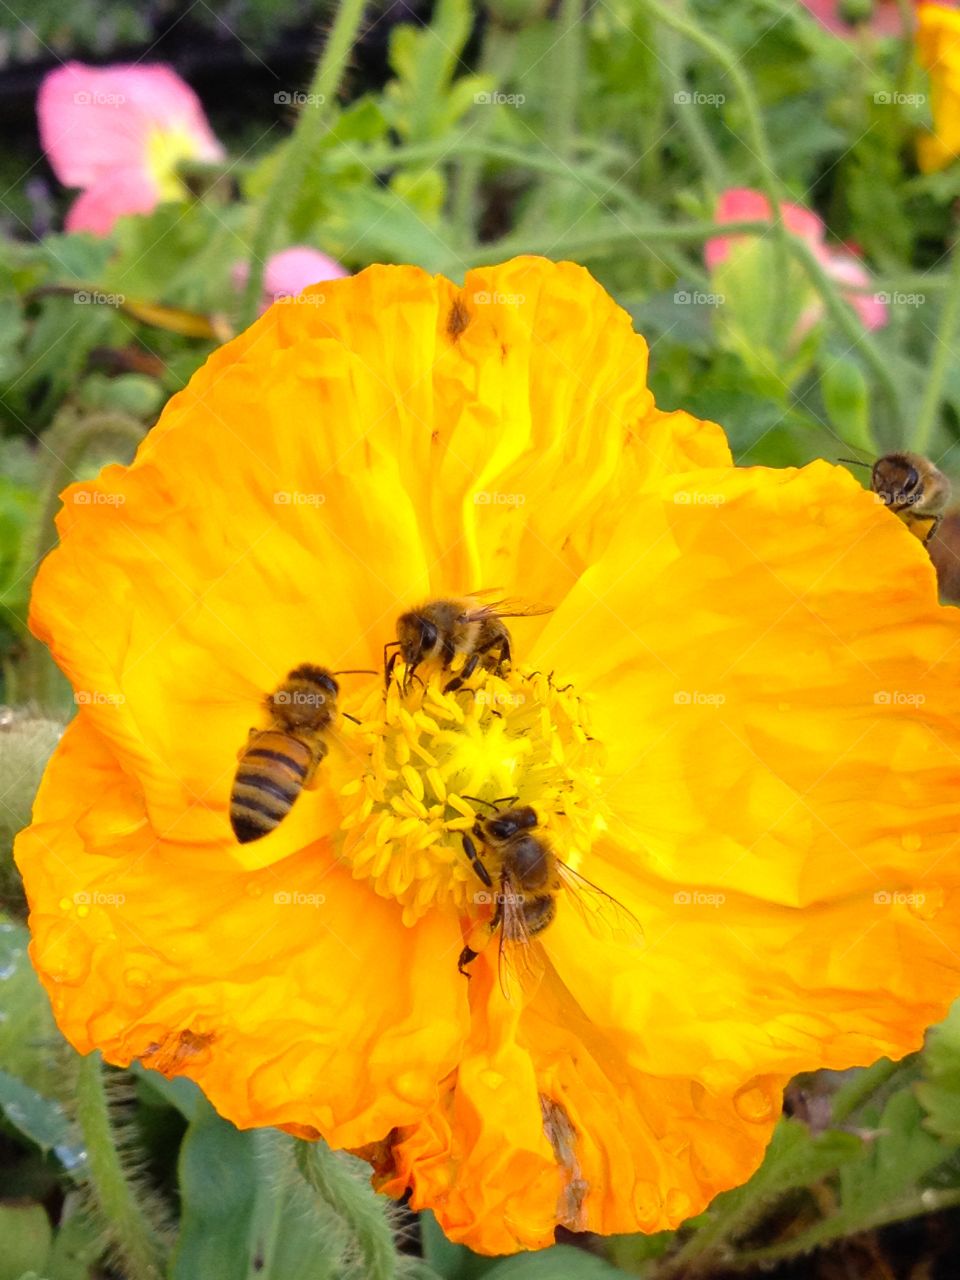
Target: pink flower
119 133
882 18
740 204
290 271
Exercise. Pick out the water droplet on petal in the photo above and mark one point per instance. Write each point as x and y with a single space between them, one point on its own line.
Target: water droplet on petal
911 841
137 978
758 1100
66 904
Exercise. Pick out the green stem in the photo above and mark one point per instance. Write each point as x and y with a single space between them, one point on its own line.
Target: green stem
312 124
141 1250
499 51
354 1201
836 1228
567 72
688 116
944 353
757 141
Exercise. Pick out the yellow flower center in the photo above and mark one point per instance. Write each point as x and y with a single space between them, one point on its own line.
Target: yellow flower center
520 739
166 150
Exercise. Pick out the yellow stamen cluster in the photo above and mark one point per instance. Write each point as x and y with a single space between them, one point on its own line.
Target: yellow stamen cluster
431 755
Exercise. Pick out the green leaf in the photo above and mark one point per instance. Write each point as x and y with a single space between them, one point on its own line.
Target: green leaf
796 1157
218 1191
27 1030
25 1235
559 1263
421 103
41 1120
901 1155
77 1244
939 1091
451 1261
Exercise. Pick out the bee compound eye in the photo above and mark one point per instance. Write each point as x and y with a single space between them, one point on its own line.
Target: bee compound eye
912 480
428 634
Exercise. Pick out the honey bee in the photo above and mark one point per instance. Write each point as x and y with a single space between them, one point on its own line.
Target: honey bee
913 488
441 629
277 763
525 881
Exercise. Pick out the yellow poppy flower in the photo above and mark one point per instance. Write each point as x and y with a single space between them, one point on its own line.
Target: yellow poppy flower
740 721
938 49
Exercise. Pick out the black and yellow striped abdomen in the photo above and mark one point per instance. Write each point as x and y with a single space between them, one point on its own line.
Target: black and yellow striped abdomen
273 770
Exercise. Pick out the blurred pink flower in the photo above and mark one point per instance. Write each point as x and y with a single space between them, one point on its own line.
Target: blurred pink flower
843 264
882 18
290 271
119 133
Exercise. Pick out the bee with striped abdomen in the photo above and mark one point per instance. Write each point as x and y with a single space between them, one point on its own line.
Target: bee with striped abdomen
278 762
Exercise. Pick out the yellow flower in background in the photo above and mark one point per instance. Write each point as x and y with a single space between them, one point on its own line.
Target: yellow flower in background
741 720
938 48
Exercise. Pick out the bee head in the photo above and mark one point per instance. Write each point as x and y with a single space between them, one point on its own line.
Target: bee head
418 637
896 480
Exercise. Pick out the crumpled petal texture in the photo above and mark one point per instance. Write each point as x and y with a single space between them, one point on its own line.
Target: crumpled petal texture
762 656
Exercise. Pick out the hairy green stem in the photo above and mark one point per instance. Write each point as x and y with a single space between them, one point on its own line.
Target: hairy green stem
567 72
687 115
836 1228
355 1203
142 1251
944 354
312 124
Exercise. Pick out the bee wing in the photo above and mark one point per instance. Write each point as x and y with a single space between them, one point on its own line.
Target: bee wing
508 607
520 959
605 917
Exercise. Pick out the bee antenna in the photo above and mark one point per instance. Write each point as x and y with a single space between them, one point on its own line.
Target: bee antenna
347 716
854 462
478 800
356 671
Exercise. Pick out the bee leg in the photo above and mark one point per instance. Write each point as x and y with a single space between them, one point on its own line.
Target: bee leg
470 849
469 667
938 521
504 658
467 956
391 662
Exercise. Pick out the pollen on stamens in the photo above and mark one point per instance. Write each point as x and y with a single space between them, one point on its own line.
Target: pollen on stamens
430 759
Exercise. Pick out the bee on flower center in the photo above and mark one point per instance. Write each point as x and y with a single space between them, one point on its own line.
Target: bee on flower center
524 877
913 488
277 763
441 630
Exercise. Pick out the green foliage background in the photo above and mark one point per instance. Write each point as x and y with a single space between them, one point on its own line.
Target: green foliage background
603 133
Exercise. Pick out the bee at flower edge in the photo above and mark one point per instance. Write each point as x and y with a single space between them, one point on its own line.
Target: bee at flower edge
524 878
278 762
440 630
912 487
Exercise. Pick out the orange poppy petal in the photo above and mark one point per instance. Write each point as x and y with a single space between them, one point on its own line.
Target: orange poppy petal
267 988
784 811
